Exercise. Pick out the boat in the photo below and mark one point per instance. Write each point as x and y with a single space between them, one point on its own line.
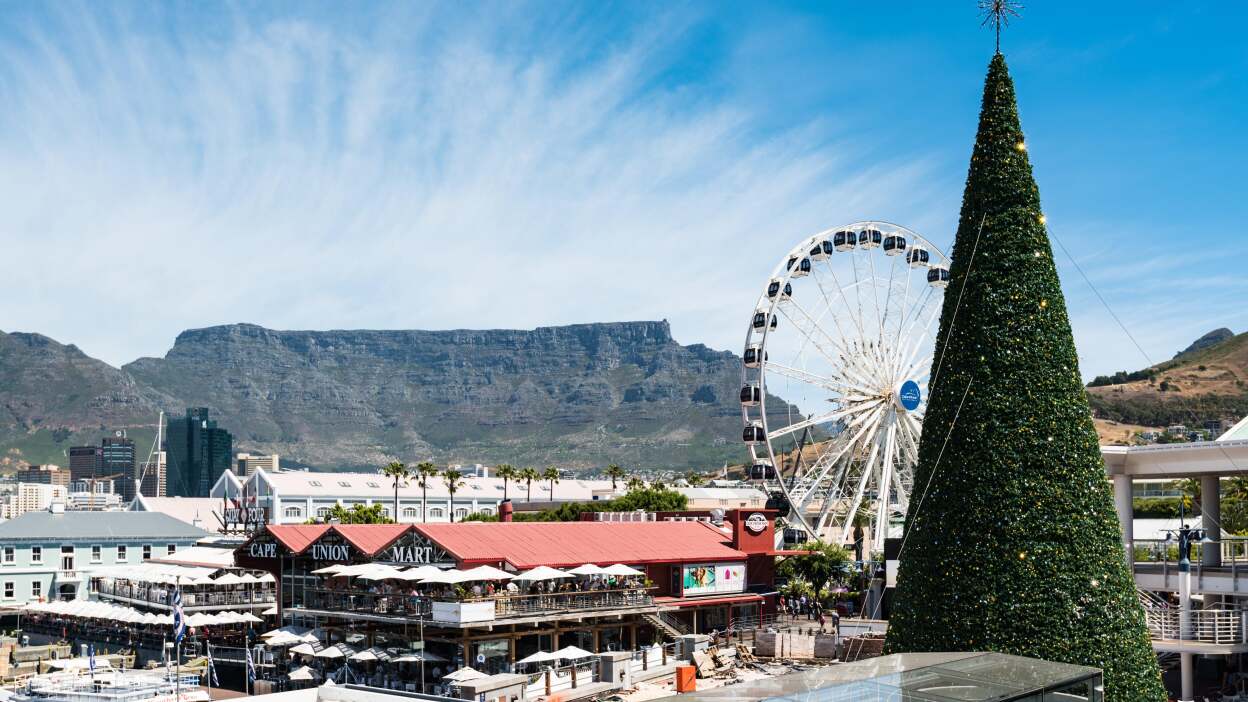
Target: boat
107 684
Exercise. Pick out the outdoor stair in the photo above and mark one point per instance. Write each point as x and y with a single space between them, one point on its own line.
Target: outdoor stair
670 626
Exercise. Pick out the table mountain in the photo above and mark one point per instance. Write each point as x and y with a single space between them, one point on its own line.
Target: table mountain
578 395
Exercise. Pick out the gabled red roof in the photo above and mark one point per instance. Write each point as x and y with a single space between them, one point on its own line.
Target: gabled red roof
296 537
567 544
371 538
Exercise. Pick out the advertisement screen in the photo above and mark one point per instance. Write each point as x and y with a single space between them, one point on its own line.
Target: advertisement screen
713 578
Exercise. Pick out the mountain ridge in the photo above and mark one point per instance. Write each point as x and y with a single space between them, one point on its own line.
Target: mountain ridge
575 395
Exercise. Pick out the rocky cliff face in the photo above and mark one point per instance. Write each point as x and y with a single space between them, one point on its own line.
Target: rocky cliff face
577 395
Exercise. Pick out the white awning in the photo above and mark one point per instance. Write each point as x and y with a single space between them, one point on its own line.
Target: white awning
486 572
464 674
539 657
543 573
587 569
572 653
621 569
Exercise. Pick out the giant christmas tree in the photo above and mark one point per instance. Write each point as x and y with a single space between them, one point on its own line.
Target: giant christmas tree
1012 541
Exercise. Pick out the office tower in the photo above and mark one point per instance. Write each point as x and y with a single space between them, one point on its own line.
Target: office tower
198 452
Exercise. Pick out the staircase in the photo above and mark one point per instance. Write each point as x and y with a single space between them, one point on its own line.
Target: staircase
669 625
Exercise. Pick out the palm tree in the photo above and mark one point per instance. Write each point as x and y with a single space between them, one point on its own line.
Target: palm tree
614 472
658 484
528 475
635 483
424 471
454 480
551 474
506 472
694 479
399 472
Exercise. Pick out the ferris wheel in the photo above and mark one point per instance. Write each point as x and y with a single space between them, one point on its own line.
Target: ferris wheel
834 375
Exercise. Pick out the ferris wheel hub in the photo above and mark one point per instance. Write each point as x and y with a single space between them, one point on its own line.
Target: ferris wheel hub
908 396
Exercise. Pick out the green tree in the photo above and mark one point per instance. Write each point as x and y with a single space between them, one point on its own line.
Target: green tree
507 473
454 481
614 472
1012 543
634 483
425 471
358 514
694 479
551 474
820 564
399 473
528 475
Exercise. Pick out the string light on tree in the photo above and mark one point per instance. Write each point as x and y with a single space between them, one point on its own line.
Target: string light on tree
997 13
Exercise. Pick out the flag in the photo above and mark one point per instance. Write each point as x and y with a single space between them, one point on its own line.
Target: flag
91 657
212 668
251 667
179 617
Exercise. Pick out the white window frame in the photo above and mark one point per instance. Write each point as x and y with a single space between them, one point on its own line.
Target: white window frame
411 513
97 553
436 513
36 559
10 555
10 590
293 512
147 552
123 554
322 512
36 588
461 512
171 549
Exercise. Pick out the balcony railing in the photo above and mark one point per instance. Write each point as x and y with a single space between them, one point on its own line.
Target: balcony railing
159 598
1211 626
505 605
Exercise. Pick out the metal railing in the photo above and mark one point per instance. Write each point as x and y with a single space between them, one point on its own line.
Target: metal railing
362 601
1213 626
160 597
521 605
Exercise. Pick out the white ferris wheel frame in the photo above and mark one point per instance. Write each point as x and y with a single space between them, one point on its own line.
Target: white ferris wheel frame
892 431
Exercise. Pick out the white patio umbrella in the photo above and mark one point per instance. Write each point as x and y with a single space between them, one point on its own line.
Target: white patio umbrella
270 611
329 570
266 578
249 618
447 577
486 572
543 573
283 639
304 649
621 569
379 572
587 569
365 655
336 651
418 656
229 579
572 653
464 674
291 630
421 572
303 673
539 657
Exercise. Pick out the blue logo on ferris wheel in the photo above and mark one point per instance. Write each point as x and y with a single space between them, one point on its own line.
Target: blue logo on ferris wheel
909 396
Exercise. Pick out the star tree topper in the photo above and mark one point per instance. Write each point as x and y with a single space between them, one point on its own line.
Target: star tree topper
998 13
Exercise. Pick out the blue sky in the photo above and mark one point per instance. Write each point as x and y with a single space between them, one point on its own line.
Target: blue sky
514 165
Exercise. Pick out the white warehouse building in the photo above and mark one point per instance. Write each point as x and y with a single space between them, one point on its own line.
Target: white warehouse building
294 497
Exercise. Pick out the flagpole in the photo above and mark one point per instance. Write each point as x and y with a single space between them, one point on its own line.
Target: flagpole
177 685
211 667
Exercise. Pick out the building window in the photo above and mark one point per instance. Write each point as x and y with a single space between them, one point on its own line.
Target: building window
314 483
374 485
36 554
97 553
36 589
147 552
171 548
461 513
437 513
8 589
487 510
294 513
343 483
121 554
10 555
411 513
322 512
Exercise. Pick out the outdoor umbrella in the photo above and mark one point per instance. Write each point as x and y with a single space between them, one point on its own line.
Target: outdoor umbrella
621 569
329 570
464 674
336 651
572 652
379 572
291 630
418 656
284 639
486 572
420 573
587 569
366 655
303 673
447 577
539 657
543 573
249 617
229 579
304 649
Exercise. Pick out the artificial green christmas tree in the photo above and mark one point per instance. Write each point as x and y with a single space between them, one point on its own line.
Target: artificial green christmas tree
1012 543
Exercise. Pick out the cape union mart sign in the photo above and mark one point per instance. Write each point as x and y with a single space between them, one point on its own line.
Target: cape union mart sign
330 552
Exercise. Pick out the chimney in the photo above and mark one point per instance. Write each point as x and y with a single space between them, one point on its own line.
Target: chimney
504 511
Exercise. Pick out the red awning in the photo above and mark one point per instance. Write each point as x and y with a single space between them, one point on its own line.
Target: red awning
296 537
371 538
684 602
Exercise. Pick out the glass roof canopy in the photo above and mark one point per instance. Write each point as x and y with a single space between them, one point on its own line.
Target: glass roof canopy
923 677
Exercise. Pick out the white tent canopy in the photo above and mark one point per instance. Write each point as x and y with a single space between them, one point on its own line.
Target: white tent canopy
380 572
543 573
572 652
539 657
303 673
421 572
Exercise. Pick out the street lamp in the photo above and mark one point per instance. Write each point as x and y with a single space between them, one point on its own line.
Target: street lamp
1186 536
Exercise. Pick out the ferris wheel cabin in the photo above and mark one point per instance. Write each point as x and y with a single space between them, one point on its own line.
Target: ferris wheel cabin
844 241
773 289
763 470
894 245
753 356
751 395
938 276
821 251
918 256
870 238
754 434
760 320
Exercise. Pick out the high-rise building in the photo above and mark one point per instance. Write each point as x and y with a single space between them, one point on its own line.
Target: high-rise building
198 453
32 497
48 474
245 464
85 462
117 463
155 482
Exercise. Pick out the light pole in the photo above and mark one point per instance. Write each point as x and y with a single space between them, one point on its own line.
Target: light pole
1186 536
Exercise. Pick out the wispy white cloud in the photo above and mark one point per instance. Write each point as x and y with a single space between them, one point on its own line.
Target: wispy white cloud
289 174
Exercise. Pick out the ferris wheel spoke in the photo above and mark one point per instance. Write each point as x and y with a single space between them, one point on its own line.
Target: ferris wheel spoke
828 303
812 422
815 324
861 490
835 385
844 448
